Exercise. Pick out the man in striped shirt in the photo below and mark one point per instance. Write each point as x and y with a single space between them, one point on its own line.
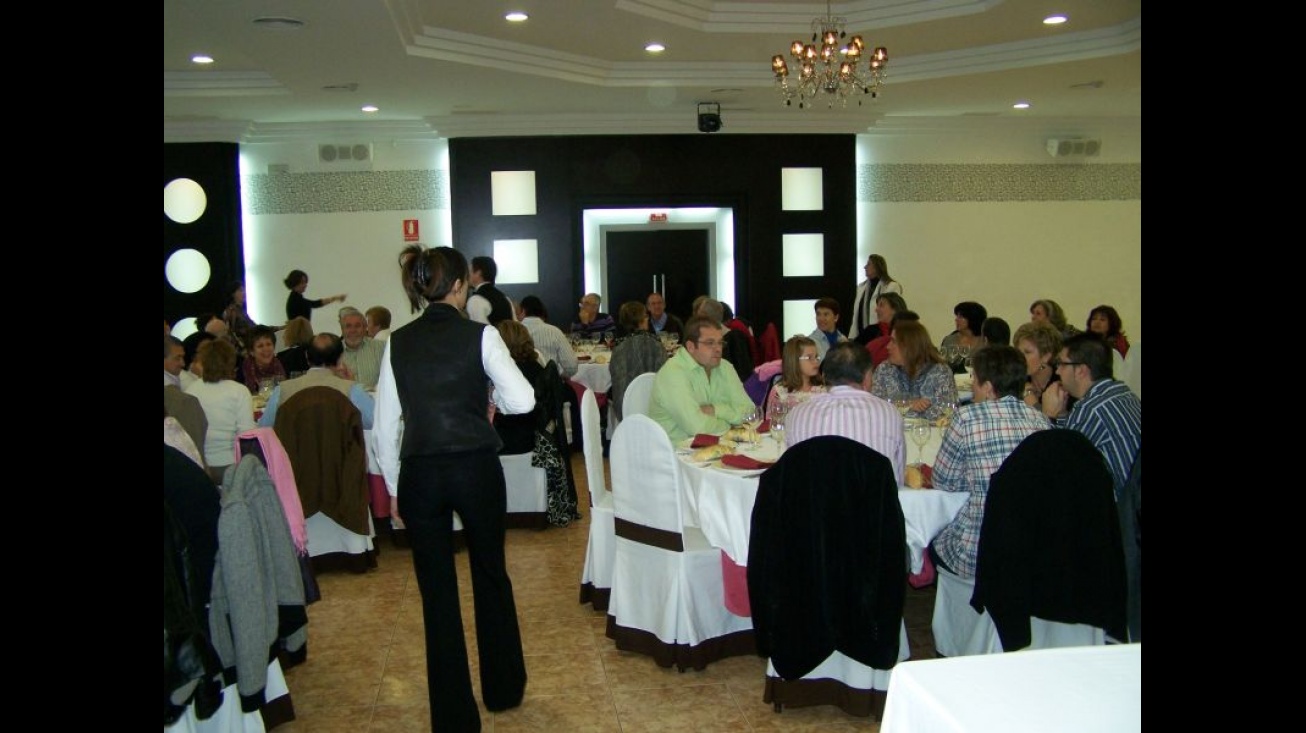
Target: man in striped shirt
1107 411
849 409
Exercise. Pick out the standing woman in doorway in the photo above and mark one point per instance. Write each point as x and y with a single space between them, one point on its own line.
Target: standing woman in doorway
436 376
296 304
865 325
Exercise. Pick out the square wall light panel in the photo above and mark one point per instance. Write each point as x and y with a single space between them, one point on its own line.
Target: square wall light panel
518 261
513 193
801 189
799 318
804 255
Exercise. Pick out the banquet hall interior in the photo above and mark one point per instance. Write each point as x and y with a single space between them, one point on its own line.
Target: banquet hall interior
998 162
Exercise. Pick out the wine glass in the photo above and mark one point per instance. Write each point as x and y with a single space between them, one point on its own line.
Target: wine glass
751 419
903 405
919 431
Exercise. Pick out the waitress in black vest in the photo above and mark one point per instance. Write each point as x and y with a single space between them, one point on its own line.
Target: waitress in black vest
436 376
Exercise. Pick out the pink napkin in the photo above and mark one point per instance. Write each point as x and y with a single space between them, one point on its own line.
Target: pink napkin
927 573
738 461
703 440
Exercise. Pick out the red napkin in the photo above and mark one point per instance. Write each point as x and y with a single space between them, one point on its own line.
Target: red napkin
737 461
927 476
765 427
703 440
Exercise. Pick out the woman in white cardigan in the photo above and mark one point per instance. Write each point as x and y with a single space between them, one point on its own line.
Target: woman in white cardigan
877 282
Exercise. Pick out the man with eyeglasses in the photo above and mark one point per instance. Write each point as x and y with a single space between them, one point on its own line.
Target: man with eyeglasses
1108 412
849 409
692 394
591 322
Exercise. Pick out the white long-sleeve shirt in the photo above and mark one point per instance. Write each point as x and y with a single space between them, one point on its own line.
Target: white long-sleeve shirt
512 395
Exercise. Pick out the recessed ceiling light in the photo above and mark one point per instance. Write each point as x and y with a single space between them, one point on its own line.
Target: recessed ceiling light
655 47
1020 105
371 108
200 58
516 16
1055 20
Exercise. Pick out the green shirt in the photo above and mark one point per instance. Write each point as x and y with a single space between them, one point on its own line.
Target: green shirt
683 386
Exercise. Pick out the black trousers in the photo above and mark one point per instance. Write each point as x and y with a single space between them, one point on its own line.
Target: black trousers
431 488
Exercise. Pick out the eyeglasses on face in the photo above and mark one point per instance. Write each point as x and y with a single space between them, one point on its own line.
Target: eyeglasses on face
710 344
809 357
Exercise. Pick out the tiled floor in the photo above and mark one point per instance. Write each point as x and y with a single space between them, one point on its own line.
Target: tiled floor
366 666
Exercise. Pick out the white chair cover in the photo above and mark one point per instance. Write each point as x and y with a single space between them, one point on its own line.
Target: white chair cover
668 603
851 672
228 718
527 485
596 576
327 537
1119 367
635 401
959 631
1134 369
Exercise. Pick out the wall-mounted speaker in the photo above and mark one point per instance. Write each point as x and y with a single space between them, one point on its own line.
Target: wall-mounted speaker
709 117
1079 147
332 153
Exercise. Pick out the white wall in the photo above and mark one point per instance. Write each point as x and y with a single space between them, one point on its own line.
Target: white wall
352 252
1006 254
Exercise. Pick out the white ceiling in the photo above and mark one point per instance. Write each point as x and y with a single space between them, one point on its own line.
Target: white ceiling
446 68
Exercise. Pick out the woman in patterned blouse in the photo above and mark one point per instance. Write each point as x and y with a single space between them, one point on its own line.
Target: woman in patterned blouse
916 371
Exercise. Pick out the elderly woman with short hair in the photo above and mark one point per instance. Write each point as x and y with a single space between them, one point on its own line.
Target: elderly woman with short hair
1040 343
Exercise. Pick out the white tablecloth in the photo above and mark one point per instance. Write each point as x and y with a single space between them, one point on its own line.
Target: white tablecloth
721 501
1069 690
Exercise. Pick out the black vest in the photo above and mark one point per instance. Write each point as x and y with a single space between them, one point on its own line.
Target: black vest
500 307
443 388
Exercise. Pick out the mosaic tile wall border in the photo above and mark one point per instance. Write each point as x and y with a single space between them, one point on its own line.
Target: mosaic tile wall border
906 182
315 193
319 193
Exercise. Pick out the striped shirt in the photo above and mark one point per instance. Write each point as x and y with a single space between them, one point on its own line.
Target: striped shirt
855 414
551 342
980 438
364 362
1111 416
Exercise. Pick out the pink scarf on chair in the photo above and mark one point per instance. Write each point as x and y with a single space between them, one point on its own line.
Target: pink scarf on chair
283 477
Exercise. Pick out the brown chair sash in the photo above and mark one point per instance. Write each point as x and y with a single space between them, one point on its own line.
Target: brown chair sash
651 536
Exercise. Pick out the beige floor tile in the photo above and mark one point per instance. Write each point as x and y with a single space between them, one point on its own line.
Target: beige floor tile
560 673
327 719
402 719
563 635
578 712
703 709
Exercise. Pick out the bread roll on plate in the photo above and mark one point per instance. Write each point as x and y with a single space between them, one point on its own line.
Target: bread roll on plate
711 452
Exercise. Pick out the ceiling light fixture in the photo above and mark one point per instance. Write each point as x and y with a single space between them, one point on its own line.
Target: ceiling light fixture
370 108
1020 105
655 47
200 58
1055 19
516 17
829 68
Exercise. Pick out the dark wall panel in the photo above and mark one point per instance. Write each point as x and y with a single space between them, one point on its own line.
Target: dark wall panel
216 234
738 171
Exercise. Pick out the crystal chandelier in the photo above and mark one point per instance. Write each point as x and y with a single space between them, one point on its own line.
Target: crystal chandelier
829 68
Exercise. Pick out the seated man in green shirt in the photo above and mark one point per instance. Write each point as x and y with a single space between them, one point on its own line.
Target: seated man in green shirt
692 394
